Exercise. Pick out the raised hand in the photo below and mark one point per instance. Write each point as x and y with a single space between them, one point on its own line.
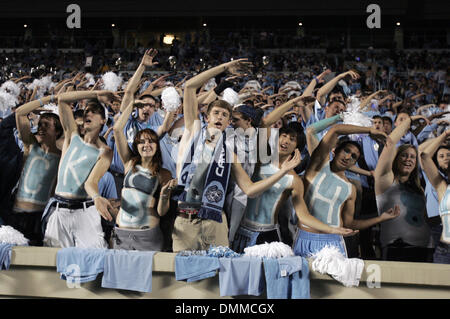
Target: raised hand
322 75
292 162
149 55
353 74
160 82
105 96
418 118
378 135
240 67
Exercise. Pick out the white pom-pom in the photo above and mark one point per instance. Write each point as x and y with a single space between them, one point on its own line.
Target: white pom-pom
272 250
11 87
354 116
231 96
7 101
9 235
170 99
210 84
111 81
44 85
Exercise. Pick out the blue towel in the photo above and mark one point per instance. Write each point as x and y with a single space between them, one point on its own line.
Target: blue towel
193 268
241 276
287 278
128 269
5 256
80 264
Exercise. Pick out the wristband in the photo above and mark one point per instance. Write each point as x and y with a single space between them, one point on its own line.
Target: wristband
315 78
40 101
95 196
52 98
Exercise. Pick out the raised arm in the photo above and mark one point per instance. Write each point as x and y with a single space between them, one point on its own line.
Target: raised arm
383 172
367 100
426 161
133 83
23 124
276 114
190 102
329 141
328 87
119 136
167 123
65 110
316 80
312 139
253 189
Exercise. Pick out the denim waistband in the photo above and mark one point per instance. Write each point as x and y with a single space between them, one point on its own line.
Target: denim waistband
320 237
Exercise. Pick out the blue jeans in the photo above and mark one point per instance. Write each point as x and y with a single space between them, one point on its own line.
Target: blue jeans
442 254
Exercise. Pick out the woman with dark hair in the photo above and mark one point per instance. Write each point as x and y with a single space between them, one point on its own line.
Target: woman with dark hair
407 237
146 189
434 158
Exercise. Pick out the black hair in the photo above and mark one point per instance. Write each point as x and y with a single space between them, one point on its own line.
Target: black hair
387 118
445 147
147 96
78 113
344 141
377 117
337 89
295 129
58 127
94 106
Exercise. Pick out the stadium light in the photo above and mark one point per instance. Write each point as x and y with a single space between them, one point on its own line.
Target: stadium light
168 39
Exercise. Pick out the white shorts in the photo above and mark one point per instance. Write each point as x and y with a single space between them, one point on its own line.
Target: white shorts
75 228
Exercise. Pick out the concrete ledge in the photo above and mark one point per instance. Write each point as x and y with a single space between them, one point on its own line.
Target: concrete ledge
33 274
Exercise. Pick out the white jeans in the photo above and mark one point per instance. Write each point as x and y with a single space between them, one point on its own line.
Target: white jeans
75 228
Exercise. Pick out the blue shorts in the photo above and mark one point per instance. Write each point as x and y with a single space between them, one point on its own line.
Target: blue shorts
307 244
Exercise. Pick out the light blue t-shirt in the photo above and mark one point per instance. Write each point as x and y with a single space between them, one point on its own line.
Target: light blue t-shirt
128 269
241 276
